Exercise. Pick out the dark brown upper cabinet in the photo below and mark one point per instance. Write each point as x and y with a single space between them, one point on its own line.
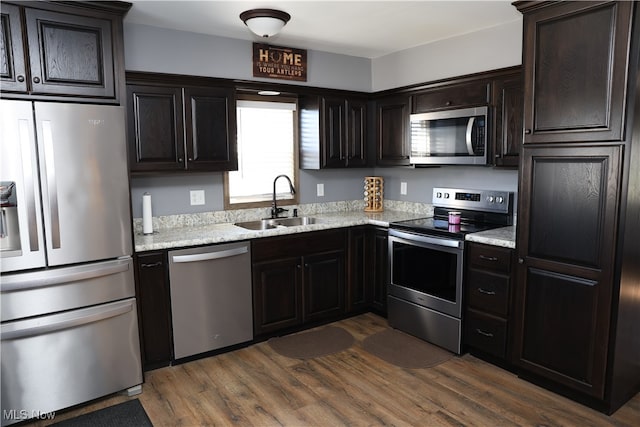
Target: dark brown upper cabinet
333 132
160 141
13 74
62 50
210 123
392 130
155 131
451 97
575 60
508 100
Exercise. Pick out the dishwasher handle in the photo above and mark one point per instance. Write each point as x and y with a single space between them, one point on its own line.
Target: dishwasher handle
210 255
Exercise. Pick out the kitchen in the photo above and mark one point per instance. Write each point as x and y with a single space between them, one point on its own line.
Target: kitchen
148 47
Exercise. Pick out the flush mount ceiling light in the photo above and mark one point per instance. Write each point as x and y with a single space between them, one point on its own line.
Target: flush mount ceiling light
265 22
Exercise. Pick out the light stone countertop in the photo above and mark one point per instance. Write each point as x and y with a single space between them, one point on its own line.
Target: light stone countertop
207 234
179 237
505 237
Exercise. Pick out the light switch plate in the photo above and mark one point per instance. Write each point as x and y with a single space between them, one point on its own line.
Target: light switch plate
320 190
403 188
197 197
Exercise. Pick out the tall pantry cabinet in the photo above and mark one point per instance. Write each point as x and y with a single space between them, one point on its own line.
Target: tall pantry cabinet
578 278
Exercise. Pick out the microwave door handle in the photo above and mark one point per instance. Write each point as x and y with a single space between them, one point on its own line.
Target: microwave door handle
469 133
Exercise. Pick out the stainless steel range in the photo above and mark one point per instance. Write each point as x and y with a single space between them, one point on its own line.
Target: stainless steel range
426 262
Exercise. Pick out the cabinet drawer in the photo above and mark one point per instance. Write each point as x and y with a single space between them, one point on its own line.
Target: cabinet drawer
487 292
463 95
486 333
490 257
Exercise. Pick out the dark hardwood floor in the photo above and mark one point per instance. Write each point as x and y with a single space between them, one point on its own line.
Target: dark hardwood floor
255 386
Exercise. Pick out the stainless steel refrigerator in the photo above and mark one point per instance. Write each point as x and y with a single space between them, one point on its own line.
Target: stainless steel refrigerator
69 330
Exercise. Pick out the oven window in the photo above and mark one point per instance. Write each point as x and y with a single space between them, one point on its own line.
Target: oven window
430 271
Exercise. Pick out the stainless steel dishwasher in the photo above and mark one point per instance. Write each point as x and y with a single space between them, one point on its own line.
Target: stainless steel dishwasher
211 300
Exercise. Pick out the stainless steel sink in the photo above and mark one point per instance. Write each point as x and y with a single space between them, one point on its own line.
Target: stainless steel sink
267 224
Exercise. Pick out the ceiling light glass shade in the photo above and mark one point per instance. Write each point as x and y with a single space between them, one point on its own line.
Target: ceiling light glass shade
265 22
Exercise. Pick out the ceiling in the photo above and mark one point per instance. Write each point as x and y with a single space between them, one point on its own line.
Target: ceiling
368 29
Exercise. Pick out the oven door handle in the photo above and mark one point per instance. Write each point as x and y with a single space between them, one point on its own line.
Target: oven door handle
438 241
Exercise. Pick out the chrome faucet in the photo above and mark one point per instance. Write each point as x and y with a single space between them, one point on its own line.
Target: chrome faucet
275 210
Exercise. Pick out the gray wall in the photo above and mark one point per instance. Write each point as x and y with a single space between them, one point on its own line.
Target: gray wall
159 50
492 48
170 51
170 194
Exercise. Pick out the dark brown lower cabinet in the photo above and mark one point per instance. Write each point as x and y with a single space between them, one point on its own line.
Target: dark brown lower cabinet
488 300
298 279
324 278
277 294
359 291
155 309
379 267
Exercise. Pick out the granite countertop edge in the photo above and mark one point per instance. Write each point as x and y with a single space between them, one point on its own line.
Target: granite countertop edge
504 237
181 237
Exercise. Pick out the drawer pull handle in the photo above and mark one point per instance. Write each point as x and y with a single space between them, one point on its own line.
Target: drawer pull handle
486 334
488 258
153 264
486 292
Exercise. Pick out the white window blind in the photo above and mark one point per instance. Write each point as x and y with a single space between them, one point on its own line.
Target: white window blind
265 150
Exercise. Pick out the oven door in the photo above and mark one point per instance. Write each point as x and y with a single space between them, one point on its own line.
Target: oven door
427 271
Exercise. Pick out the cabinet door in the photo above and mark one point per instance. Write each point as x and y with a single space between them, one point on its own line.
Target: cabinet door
324 285
155 310
567 227
277 295
210 121
70 54
358 267
393 131
333 137
356 133
575 62
155 132
12 68
452 96
509 102
380 269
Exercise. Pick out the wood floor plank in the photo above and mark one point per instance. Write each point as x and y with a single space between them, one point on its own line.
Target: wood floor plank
255 386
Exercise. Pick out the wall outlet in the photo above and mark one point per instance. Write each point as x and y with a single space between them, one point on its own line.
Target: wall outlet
403 188
320 190
197 197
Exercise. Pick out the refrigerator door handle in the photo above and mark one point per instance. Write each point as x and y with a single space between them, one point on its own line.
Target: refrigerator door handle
24 131
65 321
52 190
25 281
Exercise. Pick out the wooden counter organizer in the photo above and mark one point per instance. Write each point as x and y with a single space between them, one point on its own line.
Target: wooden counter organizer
373 191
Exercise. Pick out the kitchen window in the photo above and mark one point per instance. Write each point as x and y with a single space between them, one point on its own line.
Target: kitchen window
267 147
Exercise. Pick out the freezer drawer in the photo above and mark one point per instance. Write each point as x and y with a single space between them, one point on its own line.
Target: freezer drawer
53 362
211 302
48 291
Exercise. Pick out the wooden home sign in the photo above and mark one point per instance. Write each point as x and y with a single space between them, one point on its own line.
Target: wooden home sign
277 62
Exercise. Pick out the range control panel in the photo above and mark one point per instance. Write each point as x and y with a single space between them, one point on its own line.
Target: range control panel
479 200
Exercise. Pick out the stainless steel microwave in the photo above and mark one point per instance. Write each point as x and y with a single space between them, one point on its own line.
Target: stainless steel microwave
451 137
